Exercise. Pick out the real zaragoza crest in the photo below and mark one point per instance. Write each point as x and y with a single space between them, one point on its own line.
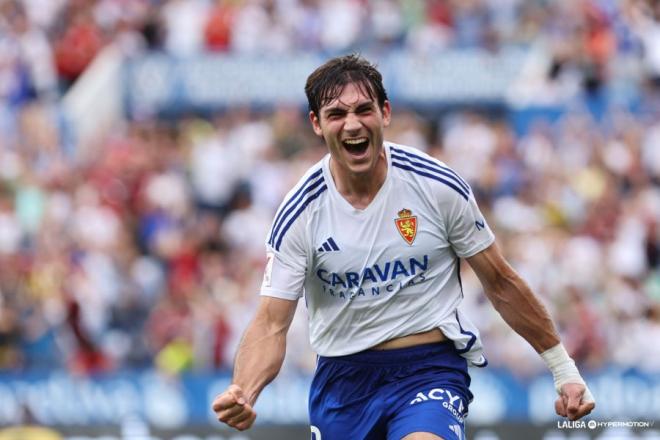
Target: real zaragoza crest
407 225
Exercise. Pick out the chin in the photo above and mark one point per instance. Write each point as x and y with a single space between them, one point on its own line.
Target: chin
361 168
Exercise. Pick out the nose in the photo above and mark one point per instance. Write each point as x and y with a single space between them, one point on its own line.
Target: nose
352 122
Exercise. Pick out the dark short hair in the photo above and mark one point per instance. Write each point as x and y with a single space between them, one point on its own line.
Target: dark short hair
327 82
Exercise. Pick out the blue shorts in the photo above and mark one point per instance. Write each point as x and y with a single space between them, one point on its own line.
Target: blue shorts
388 394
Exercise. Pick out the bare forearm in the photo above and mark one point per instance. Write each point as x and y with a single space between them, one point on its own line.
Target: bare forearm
514 300
524 313
261 352
259 359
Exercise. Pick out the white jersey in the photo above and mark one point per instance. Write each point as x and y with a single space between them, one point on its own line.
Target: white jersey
386 271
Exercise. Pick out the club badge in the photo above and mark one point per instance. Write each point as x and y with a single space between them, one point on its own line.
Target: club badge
406 224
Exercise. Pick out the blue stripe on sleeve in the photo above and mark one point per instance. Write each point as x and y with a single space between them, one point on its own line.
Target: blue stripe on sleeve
449 183
295 216
436 166
293 201
434 169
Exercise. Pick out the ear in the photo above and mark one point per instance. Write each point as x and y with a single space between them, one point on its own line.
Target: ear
316 124
387 113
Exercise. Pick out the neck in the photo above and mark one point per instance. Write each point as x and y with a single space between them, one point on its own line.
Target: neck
360 189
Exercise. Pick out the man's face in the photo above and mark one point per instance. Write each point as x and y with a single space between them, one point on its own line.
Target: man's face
352 127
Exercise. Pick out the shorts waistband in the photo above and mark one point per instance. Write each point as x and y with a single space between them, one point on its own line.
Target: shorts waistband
397 355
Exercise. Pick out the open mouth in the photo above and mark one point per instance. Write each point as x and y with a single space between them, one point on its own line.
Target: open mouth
356 146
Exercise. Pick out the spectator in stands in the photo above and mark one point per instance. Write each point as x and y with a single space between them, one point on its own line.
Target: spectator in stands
78 43
89 249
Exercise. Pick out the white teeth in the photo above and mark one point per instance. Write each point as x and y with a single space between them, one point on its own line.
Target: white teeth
354 141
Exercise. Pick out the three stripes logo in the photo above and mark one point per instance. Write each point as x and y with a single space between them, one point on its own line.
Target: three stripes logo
456 429
328 245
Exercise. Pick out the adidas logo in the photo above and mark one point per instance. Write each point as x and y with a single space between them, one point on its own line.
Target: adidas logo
456 429
328 246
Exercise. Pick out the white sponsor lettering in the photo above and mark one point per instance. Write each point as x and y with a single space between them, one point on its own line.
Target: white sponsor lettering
436 394
452 402
420 397
452 410
452 398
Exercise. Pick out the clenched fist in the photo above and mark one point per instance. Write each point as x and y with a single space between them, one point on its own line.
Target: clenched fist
575 401
232 408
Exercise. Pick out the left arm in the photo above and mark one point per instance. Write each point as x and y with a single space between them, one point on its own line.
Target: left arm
525 314
513 299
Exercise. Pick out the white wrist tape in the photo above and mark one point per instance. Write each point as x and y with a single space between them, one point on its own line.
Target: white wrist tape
563 369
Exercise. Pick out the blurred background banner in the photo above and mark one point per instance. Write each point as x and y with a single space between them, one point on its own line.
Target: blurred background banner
146 144
158 84
57 399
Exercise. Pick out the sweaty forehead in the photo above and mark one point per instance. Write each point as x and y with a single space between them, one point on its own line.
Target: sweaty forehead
348 95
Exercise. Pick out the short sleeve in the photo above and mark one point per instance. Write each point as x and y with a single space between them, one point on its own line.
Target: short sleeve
286 265
467 229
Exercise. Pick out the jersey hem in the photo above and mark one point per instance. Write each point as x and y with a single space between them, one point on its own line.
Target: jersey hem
280 294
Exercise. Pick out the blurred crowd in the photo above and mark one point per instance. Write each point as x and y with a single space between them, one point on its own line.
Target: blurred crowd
151 251
46 45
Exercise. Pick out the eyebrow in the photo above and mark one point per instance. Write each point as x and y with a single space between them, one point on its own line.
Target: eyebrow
339 108
335 109
366 104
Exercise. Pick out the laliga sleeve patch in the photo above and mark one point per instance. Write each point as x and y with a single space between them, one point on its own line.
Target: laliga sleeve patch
269 269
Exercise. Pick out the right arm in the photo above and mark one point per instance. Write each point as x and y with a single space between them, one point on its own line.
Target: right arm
262 349
258 360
